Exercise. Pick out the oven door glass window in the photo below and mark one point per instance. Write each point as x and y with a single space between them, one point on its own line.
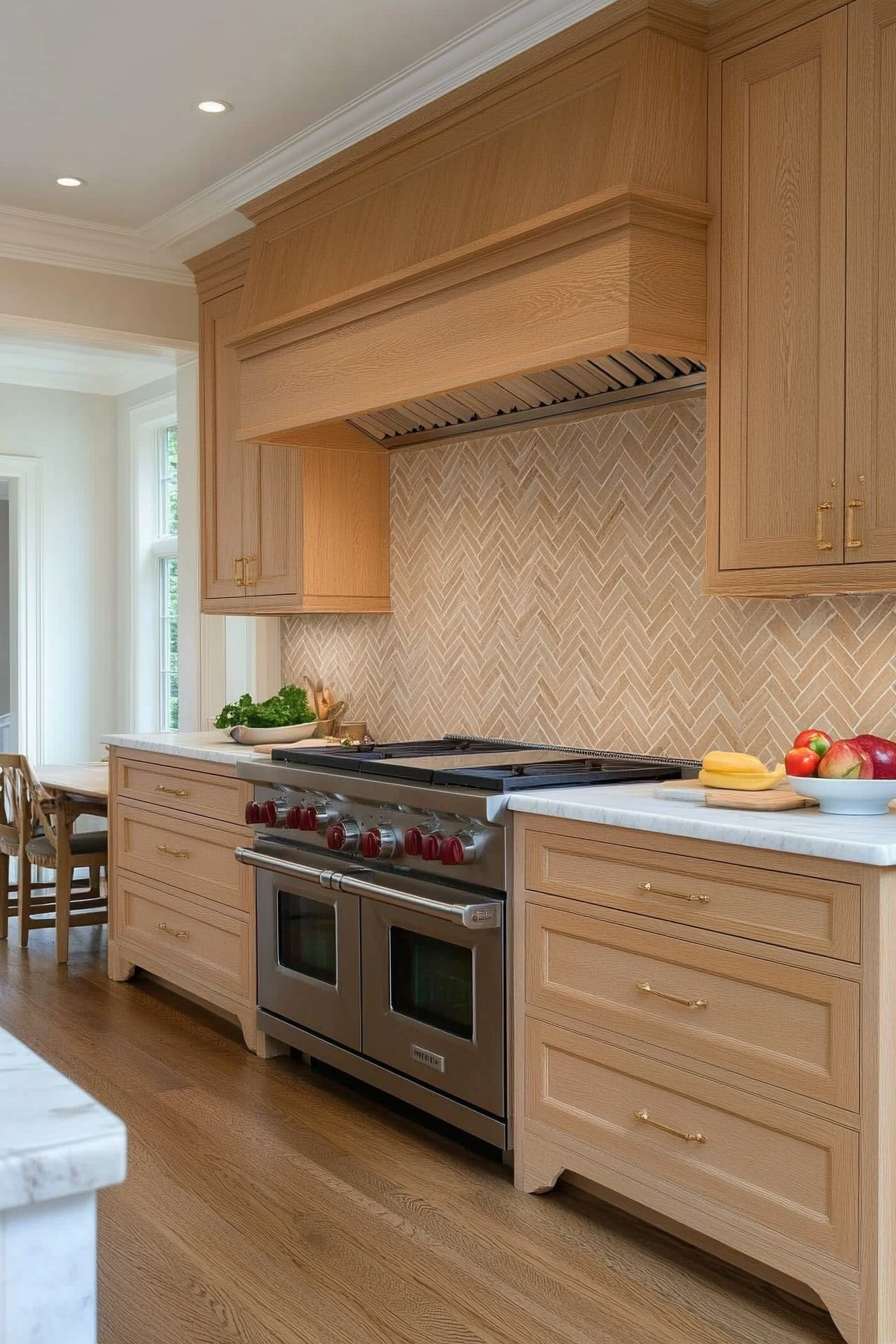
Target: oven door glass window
432 981
306 936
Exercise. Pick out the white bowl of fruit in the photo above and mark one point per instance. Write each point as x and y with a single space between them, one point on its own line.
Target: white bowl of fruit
855 776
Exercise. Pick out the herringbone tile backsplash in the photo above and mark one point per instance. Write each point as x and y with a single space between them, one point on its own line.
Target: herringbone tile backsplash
546 586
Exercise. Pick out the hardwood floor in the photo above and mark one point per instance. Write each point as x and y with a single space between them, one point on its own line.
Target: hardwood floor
266 1203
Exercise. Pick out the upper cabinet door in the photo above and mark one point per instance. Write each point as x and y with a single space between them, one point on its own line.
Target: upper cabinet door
782 305
222 456
271 520
871 294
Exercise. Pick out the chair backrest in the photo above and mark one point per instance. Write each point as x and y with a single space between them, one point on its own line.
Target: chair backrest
22 801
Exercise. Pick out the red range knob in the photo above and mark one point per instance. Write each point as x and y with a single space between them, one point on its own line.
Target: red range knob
336 836
253 814
432 847
413 842
268 813
452 851
307 818
294 818
371 844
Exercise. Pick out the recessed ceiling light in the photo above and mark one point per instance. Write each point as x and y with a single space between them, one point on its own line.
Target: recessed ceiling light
213 105
71 182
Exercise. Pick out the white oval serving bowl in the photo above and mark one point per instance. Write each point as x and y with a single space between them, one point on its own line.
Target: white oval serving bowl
257 737
849 797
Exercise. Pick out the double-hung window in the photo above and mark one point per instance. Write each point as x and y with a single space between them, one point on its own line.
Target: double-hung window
154 644
164 549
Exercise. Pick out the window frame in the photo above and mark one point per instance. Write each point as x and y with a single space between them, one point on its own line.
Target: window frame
149 552
165 549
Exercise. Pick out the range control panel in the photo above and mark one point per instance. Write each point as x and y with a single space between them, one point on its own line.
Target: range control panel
392 836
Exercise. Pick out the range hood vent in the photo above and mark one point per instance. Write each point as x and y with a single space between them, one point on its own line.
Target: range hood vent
624 376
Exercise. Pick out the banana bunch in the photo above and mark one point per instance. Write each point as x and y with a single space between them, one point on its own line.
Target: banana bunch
734 770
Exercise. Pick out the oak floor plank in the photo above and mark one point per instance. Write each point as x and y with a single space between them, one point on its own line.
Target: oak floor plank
268 1203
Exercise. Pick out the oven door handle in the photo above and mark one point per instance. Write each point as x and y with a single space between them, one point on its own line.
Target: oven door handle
477 915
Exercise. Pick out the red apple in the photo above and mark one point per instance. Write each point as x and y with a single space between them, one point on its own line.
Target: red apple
882 752
814 739
844 760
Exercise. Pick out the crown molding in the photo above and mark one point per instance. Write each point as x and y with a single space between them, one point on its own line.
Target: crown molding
515 29
57 240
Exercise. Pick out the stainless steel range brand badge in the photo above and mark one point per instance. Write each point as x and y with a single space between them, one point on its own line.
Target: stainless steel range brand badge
427 1057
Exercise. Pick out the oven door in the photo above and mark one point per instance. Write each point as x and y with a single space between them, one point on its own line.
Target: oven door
309 955
433 1001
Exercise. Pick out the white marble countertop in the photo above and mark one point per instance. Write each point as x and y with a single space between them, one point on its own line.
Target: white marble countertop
212 746
55 1140
634 807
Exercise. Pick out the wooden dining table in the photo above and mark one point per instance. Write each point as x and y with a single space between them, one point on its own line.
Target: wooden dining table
77 790
87 782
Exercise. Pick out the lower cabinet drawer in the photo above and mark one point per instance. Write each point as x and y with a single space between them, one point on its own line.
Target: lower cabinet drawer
184 853
811 914
209 797
793 1028
209 946
790 1172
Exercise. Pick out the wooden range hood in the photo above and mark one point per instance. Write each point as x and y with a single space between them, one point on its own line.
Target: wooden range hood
551 211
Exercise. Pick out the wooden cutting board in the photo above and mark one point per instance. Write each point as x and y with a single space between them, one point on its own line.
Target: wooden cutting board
780 799
307 744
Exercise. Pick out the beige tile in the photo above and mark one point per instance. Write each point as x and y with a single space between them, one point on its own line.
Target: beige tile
546 585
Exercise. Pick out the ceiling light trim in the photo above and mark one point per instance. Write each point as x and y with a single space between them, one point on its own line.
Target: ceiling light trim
59 240
513 30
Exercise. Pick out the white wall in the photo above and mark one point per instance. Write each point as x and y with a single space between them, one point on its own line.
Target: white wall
5 615
74 436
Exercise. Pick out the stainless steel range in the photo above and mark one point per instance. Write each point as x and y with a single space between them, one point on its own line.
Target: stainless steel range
382 876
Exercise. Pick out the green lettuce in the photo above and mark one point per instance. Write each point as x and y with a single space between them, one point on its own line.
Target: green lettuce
289 706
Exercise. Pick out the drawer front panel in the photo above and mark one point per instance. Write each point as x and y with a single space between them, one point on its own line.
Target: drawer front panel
184 853
809 914
206 945
215 797
796 1029
792 1173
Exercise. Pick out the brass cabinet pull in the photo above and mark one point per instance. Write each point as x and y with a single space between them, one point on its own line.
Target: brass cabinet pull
646 1119
676 895
646 988
178 793
239 571
820 511
852 541
175 933
173 853
251 580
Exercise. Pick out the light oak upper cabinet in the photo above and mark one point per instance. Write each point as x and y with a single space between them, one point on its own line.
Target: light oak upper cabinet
284 529
802 473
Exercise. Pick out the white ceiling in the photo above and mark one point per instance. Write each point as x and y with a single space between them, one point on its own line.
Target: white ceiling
105 90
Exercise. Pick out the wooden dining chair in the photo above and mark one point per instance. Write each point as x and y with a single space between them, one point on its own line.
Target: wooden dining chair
45 840
16 832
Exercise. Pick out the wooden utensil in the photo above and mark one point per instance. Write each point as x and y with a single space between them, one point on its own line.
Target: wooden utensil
317 691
